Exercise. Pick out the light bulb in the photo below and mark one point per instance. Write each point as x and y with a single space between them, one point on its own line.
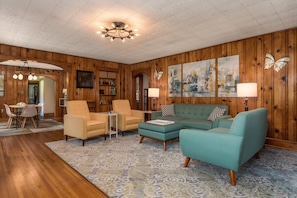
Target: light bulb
20 76
30 77
15 76
34 77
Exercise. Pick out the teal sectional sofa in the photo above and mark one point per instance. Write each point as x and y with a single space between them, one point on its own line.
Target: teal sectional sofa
194 115
230 147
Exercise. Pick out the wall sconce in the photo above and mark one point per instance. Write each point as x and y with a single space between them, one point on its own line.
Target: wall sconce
246 90
153 93
65 93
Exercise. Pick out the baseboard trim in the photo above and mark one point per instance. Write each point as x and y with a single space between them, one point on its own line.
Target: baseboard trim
284 144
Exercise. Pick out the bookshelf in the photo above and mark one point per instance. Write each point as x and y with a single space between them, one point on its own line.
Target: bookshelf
107 90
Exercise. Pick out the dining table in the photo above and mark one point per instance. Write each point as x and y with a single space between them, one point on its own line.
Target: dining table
17 110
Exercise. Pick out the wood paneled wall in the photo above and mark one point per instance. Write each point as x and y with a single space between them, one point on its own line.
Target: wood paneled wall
16 90
277 91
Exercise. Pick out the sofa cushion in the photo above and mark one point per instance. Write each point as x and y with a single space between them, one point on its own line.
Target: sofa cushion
197 124
168 110
216 113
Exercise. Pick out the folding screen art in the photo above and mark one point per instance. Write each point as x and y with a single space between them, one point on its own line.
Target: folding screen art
199 78
228 76
174 81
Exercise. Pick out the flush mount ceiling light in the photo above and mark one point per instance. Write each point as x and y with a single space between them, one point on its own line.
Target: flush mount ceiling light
118 31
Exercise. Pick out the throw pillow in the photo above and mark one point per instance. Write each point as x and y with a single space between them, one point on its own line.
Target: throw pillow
168 110
216 113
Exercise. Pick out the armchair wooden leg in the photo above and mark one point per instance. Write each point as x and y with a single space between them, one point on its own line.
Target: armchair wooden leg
83 142
66 137
232 177
187 160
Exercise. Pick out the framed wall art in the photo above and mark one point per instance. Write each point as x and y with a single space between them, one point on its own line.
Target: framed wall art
84 79
199 78
228 76
1 85
174 81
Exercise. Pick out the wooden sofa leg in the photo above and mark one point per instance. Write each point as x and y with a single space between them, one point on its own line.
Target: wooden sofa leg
187 160
141 139
232 177
257 155
164 145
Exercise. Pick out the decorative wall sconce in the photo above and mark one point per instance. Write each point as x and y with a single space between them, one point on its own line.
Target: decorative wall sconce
157 74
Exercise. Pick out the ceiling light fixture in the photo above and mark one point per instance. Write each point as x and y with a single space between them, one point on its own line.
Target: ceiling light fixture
20 74
118 31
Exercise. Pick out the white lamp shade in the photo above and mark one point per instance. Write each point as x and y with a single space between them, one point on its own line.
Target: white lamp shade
64 91
247 90
153 92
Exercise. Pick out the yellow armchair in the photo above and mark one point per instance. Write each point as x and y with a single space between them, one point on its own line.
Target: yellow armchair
82 124
128 118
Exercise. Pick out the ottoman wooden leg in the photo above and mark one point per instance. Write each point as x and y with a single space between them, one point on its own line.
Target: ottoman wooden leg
164 145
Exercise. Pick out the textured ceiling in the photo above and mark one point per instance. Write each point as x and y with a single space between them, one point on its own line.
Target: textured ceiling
166 27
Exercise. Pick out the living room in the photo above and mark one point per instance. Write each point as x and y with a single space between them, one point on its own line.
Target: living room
276 90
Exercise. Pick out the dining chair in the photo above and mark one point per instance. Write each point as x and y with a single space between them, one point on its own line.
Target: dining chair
11 116
29 111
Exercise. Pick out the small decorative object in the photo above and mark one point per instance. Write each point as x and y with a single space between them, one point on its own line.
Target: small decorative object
101 91
277 65
157 74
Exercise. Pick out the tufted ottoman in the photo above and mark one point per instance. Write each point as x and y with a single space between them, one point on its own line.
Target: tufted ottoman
159 132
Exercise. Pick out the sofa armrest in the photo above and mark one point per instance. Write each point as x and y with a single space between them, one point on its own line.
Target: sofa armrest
216 147
156 114
216 122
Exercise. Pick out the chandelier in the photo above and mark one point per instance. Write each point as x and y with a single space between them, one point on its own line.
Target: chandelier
118 31
20 74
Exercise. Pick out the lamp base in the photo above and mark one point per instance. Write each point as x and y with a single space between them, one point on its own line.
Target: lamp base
246 107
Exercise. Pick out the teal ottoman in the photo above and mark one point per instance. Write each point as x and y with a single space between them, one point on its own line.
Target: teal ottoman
159 132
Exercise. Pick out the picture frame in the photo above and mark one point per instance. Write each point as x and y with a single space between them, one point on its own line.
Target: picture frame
84 79
1 85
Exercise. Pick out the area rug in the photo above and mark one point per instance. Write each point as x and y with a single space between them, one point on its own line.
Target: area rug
121 167
44 125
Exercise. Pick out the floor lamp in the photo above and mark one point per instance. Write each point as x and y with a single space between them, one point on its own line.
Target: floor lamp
246 90
153 93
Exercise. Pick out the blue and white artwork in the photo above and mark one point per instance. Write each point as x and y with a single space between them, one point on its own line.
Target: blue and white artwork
199 78
228 76
174 81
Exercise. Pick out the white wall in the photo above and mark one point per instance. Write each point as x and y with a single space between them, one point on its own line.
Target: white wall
49 96
41 95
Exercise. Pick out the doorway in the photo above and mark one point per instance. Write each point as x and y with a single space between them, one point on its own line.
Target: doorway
33 89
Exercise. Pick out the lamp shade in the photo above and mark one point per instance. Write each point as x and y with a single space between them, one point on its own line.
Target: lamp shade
153 92
64 91
247 90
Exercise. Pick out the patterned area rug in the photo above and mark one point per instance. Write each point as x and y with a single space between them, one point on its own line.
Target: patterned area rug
43 126
121 167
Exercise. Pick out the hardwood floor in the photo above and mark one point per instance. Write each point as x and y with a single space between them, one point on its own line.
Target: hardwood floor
28 168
